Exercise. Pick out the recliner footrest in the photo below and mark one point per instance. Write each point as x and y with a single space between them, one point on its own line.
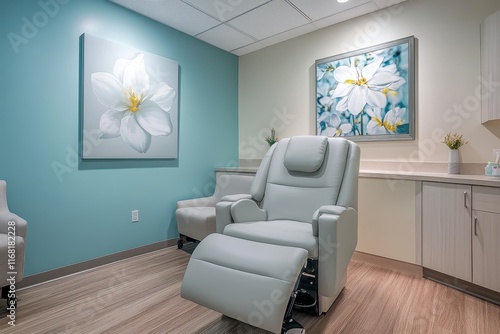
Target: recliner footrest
245 280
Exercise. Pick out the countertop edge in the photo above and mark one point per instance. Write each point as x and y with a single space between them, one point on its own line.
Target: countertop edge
482 180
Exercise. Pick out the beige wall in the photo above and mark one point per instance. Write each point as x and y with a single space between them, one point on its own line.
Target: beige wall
277 86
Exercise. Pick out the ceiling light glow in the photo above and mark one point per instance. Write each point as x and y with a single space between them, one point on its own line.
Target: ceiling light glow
342 1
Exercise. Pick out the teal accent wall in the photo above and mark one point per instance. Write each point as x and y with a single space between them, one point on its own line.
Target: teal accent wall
77 211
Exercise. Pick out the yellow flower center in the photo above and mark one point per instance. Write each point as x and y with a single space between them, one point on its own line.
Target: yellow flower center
135 101
378 121
359 82
386 91
392 126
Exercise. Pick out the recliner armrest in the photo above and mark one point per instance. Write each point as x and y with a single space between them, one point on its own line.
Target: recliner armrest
195 202
222 215
325 209
235 197
246 210
337 232
223 210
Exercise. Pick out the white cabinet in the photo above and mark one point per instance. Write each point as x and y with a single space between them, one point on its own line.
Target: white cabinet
486 237
387 225
446 229
461 232
490 67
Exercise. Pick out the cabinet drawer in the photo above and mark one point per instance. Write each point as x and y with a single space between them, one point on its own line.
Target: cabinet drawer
486 199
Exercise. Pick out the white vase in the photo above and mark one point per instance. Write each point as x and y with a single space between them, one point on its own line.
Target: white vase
454 162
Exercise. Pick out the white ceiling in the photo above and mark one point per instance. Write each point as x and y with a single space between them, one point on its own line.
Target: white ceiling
243 26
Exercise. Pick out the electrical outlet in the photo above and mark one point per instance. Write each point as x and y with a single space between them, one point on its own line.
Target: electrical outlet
135 216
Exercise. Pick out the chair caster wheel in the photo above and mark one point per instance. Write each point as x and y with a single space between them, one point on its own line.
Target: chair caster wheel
292 327
304 300
180 244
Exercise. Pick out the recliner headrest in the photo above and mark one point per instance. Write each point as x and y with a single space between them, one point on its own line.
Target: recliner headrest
305 153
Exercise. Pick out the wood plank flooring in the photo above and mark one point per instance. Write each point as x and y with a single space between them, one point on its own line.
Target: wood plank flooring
141 295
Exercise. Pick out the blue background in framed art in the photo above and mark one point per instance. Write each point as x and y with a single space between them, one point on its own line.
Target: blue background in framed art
367 94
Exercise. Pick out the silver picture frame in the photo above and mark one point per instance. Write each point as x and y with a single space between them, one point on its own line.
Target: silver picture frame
368 94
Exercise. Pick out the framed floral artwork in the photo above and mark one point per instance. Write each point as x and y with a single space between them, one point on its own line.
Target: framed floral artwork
129 102
368 94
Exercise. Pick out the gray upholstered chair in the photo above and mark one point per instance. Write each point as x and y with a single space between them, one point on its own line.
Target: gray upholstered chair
12 237
196 217
304 195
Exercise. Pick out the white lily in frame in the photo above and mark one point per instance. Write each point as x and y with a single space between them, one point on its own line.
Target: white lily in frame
393 119
358 87
335 128
138 105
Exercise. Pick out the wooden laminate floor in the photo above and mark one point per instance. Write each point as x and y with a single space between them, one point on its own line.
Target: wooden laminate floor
141 295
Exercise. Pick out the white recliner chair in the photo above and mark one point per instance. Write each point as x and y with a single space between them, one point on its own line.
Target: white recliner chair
304 197
196 217
12 248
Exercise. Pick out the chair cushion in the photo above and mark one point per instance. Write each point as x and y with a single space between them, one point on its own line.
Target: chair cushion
196 222
305 153
278 232
245 280
297 195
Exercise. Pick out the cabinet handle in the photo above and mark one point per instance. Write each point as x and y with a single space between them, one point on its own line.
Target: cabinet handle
465 198
475 226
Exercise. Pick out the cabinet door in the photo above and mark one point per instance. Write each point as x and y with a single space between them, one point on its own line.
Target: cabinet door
446 229
486 250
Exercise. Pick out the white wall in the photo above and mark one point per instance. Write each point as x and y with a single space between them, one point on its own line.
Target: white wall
277 84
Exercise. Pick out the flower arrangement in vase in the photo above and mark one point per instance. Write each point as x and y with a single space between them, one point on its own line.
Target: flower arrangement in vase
454 141
272 138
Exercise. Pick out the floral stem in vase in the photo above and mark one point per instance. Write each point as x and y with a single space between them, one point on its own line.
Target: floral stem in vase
454 142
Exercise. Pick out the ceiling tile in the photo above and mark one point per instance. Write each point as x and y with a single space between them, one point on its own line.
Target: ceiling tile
386 3
346 15
173 13
302 30
243 26
226 10
249 48
319 9
225 37
270 19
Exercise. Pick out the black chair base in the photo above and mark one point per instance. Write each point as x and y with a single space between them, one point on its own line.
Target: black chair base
10 297
307 294
292 327
184 238
304 300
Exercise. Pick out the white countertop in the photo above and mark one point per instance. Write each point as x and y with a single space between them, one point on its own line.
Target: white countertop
481 180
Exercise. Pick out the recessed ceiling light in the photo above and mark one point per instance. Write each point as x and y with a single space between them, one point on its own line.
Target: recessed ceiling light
342 1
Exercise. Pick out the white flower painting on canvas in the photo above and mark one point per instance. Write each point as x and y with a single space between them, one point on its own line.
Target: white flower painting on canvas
132 109
138 107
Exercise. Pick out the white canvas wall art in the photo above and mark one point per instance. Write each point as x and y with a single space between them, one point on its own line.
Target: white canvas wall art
130 102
